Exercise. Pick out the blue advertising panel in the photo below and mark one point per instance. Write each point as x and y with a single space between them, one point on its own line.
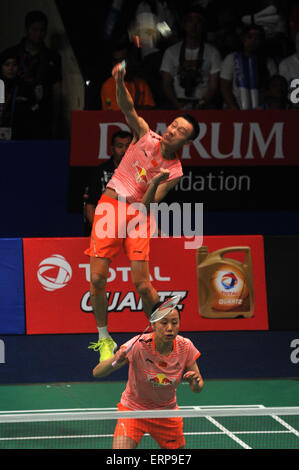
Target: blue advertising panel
12 309
224 355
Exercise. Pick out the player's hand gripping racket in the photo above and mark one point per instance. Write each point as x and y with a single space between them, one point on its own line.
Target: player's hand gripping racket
161 312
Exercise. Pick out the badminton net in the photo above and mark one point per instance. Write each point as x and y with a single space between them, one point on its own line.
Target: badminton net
223 427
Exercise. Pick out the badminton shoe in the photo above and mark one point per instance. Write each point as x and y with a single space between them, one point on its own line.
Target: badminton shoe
105 346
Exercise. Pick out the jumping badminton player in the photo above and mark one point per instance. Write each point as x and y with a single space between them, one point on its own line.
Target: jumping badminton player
157 362
149 169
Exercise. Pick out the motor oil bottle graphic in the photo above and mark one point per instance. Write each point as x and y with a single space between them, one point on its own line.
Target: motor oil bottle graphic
225 285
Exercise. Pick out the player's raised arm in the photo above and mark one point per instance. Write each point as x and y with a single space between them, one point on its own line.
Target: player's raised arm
126 104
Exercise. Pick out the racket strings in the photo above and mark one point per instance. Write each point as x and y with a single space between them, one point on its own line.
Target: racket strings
164 309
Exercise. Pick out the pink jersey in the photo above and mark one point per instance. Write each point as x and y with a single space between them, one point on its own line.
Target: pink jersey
153 378
140 164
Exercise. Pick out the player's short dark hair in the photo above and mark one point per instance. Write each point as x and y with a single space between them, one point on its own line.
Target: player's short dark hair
121 135
35 16
194 124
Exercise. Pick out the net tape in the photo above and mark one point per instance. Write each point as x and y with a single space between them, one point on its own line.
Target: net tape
194 412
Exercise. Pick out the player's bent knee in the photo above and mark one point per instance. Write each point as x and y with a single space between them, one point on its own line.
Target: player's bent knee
98 281
143 288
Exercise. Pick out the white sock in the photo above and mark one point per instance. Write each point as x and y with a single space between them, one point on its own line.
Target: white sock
103 332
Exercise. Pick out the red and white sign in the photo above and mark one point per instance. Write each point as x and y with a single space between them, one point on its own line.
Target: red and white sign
57 286
226 138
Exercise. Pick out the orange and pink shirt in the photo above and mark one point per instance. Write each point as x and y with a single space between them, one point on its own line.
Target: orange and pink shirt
138 167
153 379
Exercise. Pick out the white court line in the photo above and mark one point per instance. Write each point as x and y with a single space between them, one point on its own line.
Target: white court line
222 407
286 425
56 410
79 436
235 432
228 433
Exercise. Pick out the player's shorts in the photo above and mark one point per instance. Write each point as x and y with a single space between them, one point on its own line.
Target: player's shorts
117 227
167 432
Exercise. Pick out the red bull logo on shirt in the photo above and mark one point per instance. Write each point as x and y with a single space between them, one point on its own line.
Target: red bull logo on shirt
160 380
140 173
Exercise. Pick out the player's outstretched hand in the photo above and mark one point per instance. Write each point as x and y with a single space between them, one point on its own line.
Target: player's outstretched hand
162 176
192 377
121 354
119 71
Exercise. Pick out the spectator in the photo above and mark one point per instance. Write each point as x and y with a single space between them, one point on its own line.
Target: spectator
223 32
269 15
289 67
190 68
17 117
151 54
119 144
245 74
137 86
40 69
276 96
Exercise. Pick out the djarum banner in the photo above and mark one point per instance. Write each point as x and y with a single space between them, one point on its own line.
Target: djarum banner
226 138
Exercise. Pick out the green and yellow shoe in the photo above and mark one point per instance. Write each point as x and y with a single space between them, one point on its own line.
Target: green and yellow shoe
106 347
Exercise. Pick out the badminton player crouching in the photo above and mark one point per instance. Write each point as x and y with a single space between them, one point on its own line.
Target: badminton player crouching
157 362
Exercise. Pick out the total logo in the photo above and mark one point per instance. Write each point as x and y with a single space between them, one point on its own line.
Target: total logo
54 272
229 280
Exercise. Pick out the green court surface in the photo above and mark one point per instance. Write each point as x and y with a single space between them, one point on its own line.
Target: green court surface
253 432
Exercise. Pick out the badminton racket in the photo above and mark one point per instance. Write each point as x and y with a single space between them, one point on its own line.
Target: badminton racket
146 31
164 309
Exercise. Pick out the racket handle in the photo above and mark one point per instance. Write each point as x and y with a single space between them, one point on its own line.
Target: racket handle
114 363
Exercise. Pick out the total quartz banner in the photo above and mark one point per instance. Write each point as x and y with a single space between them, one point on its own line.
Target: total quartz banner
221 283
